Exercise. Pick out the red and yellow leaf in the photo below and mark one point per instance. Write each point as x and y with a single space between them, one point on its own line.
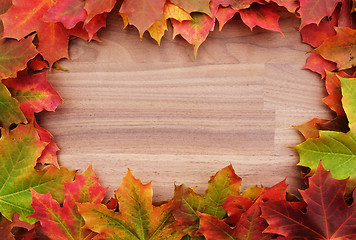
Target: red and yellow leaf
34 93
340 48
65 222
137 219
310 129
143 13
194 31
170 11
49 154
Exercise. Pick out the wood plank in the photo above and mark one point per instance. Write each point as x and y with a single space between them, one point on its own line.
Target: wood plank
171 118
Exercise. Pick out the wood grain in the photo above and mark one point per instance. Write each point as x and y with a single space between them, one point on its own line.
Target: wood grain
174 119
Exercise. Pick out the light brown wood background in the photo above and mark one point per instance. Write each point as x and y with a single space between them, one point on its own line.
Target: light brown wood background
174 119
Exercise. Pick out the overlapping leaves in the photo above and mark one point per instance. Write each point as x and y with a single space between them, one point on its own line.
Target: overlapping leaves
327 215
36 34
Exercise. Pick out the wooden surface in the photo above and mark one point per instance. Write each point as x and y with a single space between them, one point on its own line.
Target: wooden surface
174 119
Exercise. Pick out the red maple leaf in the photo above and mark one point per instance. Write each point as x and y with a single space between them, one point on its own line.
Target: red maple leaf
65 222
340 48
261 15
68 12
318 64
312 11
34 93
327 215
143 13
24 17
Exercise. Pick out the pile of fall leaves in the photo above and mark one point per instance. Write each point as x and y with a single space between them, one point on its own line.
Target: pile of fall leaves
41 200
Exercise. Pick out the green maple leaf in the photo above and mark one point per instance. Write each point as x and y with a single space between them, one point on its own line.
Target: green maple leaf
336 150
137 219
187 203
19 151
10 111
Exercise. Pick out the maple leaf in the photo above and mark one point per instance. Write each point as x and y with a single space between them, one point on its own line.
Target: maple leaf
202 6
223 15
80 31
34 93
14 55
19 151
143 13
68 12
327 215
169 11
96 23
318 64
336 150
313 11
52 42
137 219
244 219
186 203
49 154
194 31
315 35
311 128
333 88
261 15
24 17
65 222
249 227
97 7
340 48
9 109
